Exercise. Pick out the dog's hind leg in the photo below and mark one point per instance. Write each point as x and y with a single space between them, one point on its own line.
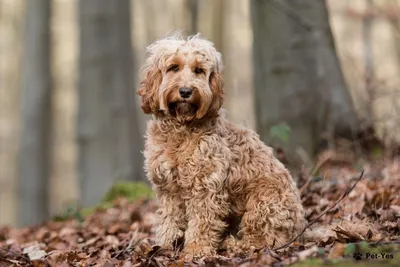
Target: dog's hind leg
272 217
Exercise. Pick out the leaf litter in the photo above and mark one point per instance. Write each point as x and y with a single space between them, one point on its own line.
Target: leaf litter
122 235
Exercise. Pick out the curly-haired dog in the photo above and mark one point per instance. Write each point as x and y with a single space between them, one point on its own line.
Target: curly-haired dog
204 169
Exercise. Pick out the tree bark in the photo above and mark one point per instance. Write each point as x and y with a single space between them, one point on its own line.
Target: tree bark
35 113
297 76
107 125
227 24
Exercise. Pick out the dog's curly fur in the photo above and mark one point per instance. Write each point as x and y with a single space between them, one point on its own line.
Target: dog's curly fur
210 176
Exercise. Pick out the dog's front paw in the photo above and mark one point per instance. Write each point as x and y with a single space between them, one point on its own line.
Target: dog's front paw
195 251
231 245
168 237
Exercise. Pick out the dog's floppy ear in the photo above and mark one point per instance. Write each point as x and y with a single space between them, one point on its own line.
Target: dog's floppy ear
217 88
148 90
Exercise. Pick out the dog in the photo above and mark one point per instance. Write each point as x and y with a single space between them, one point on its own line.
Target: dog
209 175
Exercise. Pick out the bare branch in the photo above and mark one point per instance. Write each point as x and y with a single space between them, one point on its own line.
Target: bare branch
322 214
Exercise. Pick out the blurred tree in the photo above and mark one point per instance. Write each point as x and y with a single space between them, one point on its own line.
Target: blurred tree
35 115
152 20
298 79
394 20
193 8
367 32
227 24
108 136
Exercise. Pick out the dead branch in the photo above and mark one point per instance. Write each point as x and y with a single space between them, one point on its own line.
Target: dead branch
314 172
322 214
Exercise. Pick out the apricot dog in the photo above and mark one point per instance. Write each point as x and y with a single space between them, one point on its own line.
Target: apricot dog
210 176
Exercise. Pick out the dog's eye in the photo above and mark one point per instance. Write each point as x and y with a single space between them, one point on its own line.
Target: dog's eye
174 68
198 70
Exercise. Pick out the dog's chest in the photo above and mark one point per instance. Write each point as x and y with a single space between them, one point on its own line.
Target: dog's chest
181 163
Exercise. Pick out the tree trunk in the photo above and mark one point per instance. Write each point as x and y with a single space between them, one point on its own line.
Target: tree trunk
227 24
107 123
35 112
298 80
236 53
368 55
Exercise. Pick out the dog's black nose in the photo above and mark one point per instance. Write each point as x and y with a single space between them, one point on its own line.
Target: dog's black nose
185 92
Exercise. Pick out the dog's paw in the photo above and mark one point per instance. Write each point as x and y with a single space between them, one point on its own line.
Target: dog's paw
232 246
169 238
195 251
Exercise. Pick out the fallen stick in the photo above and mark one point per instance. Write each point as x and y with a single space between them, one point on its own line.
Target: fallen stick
319 164
322 214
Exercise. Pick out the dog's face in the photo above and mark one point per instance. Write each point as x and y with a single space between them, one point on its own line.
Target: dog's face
182 79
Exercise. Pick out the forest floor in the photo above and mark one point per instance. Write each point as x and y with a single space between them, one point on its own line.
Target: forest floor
362 230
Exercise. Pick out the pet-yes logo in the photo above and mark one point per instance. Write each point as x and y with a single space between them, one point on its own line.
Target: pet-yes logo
373 256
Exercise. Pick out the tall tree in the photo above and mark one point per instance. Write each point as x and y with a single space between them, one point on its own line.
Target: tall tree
35 114
227 24
298 79
107 125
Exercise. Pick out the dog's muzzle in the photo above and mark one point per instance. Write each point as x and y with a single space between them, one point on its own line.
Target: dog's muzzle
185 92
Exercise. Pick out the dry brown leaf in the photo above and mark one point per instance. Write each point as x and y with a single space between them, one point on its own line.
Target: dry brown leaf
104 237
302 255
396 209
34 252
355 231
336 251
127 264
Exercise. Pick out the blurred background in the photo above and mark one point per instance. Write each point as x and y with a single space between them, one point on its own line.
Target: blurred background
310 76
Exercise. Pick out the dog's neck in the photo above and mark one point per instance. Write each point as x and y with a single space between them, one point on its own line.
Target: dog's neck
195 126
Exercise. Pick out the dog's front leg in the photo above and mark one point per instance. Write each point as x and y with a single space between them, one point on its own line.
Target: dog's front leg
171 220
205 213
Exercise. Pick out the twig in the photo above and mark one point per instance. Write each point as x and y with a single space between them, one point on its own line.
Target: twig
131 241
314 171
322 214
130 246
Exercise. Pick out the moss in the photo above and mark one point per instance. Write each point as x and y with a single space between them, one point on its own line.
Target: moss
129 190
310 262
347 262
363 248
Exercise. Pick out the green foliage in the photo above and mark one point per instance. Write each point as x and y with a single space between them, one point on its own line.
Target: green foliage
102 206
70 213
320 252
310 262
280 131
377 152
348 260
130 190
350 249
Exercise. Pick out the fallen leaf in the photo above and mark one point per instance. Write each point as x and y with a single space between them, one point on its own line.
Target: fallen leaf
336 251
302 255
34 252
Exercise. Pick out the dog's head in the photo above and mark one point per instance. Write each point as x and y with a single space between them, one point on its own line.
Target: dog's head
182 79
